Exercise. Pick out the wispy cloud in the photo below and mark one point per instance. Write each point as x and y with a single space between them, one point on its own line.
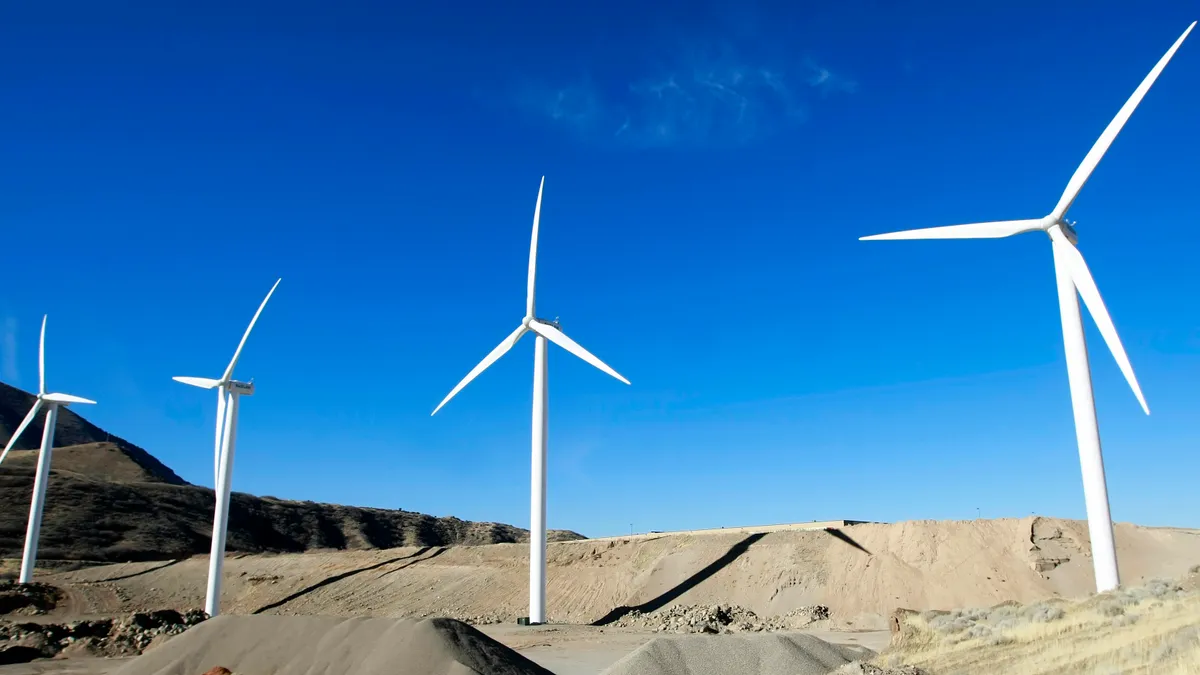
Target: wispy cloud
828 82
8 363
699 98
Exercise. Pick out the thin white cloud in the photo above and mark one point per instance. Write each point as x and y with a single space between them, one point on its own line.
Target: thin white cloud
8 363
719 98
828 82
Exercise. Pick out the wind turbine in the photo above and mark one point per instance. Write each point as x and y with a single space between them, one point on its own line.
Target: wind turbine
52 402
545 330
1072 275
229 391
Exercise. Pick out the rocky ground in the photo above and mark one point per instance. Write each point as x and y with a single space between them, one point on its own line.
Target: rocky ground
128 636
29 632
720 619
28 599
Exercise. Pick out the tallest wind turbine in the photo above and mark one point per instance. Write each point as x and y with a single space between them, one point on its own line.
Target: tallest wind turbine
1072 275
545 330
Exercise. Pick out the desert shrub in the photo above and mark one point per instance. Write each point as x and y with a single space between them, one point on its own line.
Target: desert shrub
1043 613
974 613
1157 588
1008 624
977 631
950 624
1003 612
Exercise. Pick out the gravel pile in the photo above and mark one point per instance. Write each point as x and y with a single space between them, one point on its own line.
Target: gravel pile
21 642
859 668
720 619
481 619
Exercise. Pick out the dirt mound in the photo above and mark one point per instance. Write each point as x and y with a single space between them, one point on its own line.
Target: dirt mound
793 654
271 645
919 565
21 642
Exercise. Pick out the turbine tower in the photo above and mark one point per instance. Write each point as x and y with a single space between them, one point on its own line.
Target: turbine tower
52 402
545 330
229 391
1072 275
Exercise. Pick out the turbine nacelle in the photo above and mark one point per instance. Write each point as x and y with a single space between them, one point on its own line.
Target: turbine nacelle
1068 229
241 388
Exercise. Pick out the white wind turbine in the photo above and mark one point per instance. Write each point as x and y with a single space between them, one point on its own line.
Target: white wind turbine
52 402
545 330
229 391
1071 273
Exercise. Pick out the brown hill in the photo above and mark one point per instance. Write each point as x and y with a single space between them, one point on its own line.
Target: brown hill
111 501
71 429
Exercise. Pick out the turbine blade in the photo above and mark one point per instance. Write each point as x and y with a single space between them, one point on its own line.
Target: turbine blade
66 399
202 382
220 435
529 290
1081 175
229 371
993 230
488 360
42 359
12 440
1077 269
559 338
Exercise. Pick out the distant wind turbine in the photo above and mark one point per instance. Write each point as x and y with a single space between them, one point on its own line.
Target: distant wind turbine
52 402
229 391
545 330
1072 275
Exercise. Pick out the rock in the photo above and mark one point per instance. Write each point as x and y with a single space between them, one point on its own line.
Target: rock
898 623
37 641
79 649
219 670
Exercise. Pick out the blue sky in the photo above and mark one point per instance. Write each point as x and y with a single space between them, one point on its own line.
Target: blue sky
709 169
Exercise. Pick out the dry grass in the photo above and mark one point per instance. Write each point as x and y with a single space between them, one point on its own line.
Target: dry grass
1153 628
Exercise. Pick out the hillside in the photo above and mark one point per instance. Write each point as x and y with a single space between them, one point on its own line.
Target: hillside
71 429
111 501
